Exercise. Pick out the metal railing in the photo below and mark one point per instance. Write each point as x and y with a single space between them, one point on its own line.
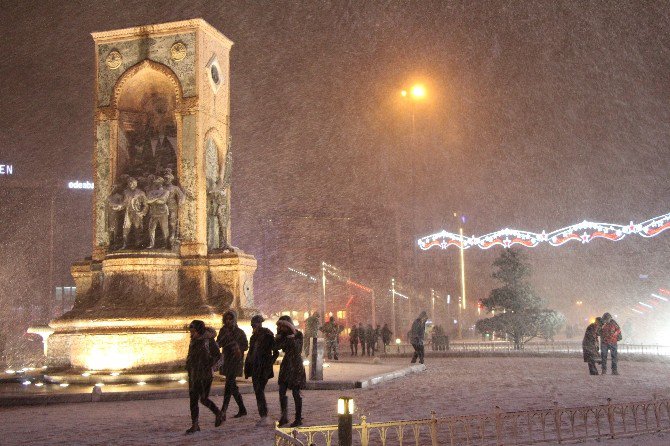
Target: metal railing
555 425
283 439
531 347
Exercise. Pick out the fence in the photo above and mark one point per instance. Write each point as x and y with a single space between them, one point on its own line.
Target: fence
534 347
555 425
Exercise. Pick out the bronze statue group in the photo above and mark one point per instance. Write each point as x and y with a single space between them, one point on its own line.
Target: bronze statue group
224 352
595 352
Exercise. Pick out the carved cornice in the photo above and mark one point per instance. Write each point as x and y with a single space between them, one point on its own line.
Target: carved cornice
163 28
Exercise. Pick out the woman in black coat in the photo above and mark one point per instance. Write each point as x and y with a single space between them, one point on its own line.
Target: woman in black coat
291 371
233 342
203 353
590 345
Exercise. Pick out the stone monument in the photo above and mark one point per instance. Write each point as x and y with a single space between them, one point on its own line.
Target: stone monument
161 204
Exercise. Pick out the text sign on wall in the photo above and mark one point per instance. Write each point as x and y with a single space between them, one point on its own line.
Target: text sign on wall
80 185
6 169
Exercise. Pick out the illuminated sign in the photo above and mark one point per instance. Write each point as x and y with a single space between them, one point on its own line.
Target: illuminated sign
80 185
6 169
583 232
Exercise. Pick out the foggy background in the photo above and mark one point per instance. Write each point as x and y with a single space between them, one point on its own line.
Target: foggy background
540 114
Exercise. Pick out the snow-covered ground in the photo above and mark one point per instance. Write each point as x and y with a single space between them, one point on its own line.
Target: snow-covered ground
448 386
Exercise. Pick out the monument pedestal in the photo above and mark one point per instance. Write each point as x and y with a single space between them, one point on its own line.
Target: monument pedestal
133 308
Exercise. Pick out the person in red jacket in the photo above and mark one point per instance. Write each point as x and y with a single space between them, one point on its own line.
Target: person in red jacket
610 334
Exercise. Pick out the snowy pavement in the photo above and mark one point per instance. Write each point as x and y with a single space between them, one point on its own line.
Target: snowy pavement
449 386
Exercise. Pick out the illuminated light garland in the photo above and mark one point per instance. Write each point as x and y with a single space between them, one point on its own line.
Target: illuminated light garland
584 232
305 275
665 299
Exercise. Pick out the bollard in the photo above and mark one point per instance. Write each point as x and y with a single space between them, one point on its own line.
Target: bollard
345 410
316 361
96 394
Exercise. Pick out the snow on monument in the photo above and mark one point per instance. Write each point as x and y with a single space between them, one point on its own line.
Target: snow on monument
161 206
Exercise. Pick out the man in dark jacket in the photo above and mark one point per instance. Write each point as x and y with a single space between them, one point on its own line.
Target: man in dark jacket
331 330
353 340
259 363
203 353
311 331
386 336
233 342
590 345
371 338
362 337
610 334
417 334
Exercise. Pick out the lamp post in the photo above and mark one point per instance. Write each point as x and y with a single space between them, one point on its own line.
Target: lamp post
345 410
395 333
416 93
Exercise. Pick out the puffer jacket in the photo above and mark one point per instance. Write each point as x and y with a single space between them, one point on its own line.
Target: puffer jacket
233 343
203 353
610 333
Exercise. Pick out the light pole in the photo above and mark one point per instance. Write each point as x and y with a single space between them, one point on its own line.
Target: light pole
416 93
395 333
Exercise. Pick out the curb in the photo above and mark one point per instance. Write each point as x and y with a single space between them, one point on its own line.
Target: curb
140 395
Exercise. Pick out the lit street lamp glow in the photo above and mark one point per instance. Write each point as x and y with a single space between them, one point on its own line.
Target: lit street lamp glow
418 91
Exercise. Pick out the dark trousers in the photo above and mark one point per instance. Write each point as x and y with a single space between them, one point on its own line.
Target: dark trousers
354 348
371 348
259 389
604 348
362 348
418 353
198 391
229 390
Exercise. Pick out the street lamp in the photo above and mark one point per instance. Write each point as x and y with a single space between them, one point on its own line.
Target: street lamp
345 411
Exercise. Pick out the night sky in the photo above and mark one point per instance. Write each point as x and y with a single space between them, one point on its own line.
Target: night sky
540 114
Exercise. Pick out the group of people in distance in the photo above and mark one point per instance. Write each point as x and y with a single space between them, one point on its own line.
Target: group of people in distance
368 336
224 352
609 332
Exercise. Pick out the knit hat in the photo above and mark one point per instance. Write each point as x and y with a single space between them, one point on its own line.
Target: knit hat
197 325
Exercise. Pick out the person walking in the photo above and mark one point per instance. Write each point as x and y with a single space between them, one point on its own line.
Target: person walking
353 340
203 354
590 345
332 333
259 362
311 332
291 371
362 337
371 337
386 336
417 334
610 334
233 343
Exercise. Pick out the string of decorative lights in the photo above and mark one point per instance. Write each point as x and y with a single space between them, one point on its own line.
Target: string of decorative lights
585 232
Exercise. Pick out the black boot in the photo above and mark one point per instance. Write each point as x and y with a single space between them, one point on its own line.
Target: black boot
241 410
298 413
194 428
220 418
283 404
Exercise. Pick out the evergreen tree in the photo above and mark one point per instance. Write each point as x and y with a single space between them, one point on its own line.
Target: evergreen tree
519 312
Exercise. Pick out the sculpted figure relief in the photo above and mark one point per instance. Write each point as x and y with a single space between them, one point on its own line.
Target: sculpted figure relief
145 204
135 204
158 210
175 199
218 209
